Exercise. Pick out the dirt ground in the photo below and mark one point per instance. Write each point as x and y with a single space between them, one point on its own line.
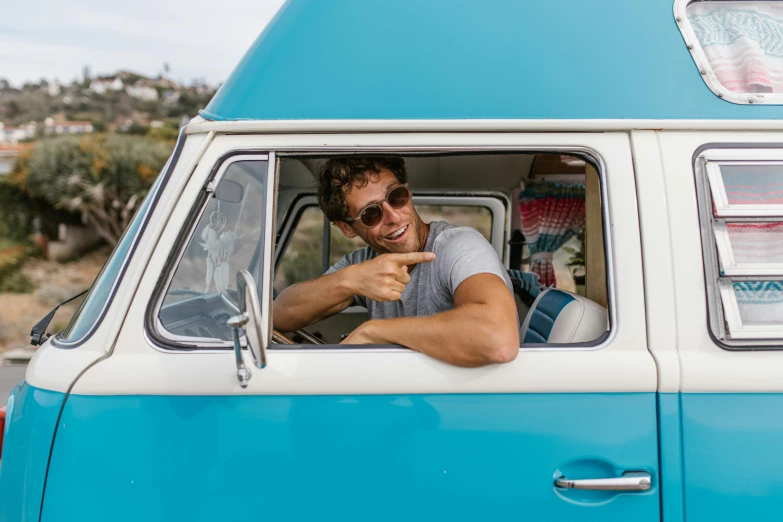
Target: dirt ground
53 283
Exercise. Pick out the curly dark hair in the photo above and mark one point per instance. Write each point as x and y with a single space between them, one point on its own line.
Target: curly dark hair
338 176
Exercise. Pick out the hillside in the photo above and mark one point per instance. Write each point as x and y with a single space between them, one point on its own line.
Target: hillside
122 102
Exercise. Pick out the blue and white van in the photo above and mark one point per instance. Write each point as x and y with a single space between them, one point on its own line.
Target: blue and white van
652 390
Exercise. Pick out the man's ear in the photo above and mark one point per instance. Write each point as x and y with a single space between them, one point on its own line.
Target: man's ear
346 229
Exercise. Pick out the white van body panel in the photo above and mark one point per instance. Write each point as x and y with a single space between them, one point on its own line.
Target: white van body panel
705 366
138 367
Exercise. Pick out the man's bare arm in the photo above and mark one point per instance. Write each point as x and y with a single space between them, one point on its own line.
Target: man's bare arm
305 303
481 329
380 279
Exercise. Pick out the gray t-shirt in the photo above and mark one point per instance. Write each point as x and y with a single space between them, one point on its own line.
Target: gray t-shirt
461 252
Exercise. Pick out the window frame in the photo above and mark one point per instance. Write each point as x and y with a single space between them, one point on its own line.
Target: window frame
721 270
155 327
703 64
276 153
727 261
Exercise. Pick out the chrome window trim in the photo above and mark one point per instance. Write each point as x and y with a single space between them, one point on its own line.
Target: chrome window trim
703 64
290 151
724 322
156 191
189 342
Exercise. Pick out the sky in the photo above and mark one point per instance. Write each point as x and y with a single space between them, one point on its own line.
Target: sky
198 39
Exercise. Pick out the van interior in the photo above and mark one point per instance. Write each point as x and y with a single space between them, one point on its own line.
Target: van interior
542 212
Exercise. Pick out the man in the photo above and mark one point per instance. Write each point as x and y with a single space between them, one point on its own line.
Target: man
433 287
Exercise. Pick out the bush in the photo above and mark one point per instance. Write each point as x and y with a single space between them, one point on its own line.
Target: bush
22 215
103 178
11 279
16 283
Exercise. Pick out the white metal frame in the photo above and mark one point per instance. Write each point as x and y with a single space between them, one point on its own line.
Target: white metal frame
722 205
710 78
268 230
728 263
731 312
720 263
199 125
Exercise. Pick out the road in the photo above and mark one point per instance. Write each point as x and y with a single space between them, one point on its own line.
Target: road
10 376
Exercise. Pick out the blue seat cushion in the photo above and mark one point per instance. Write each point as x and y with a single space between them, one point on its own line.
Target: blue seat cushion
544 315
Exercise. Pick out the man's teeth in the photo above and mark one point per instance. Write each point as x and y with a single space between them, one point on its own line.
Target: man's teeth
397 234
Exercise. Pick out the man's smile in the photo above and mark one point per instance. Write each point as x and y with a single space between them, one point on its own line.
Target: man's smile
398 235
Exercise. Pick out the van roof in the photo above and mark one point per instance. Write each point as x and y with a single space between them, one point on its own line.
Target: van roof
477 59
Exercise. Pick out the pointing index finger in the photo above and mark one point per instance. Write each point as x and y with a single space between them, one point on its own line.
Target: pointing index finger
413 258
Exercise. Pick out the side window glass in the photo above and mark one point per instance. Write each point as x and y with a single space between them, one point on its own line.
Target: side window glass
303 256
479 218
229 237
742 215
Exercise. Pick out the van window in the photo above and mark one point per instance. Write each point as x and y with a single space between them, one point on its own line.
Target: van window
542 213
202 292
737 47
742 214
303 256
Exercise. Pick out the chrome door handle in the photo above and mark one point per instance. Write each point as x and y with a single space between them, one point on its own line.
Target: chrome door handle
628 482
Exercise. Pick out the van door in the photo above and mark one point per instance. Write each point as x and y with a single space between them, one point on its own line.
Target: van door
162 429
724 191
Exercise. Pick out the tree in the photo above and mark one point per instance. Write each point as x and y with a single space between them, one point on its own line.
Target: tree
103 177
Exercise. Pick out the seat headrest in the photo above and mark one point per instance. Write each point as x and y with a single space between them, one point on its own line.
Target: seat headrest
561 317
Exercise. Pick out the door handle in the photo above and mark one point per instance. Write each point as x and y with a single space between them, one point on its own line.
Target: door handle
628 482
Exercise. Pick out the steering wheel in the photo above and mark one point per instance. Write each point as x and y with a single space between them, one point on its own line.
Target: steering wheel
301 332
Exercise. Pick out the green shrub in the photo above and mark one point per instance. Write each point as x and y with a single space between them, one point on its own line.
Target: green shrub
11 278
16 283
101 177
19 210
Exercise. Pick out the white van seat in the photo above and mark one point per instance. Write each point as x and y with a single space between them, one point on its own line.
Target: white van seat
557 316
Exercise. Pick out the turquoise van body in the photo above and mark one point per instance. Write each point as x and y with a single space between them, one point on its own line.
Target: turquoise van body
424 456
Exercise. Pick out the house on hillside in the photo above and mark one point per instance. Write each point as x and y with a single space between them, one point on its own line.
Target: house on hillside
54 127
16 134
171 97
104 85
8 155
54 88
142 92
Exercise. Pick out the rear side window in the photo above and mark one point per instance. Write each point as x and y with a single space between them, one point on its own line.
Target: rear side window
741 199
304 257
738 47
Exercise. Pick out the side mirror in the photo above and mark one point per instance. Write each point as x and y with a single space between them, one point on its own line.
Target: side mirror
250 320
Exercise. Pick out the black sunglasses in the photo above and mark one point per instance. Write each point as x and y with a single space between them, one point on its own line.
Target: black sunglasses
371 215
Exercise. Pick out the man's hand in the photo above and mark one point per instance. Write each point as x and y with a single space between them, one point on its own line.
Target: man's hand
362 335
384 278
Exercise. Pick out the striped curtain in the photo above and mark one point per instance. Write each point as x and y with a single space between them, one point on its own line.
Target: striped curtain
743 42
552 213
